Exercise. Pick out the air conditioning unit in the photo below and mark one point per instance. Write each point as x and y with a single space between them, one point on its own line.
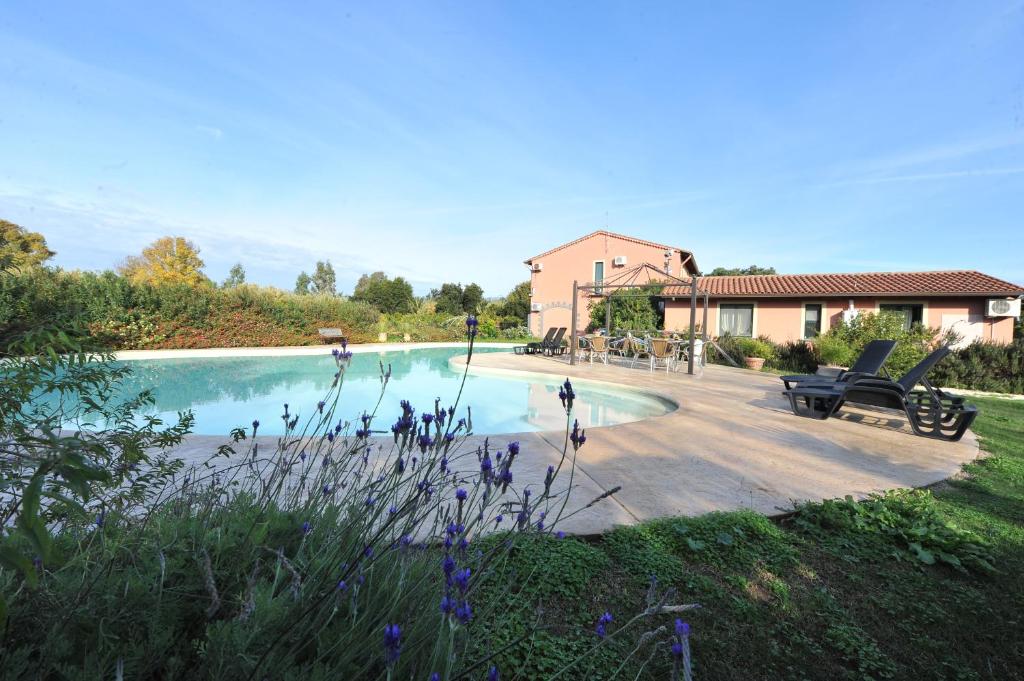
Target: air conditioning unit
535 307
537 266
619 261
1001 307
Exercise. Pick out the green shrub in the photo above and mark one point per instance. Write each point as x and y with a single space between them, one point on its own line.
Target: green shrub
911 345
835 351
983 366
794 357
906 519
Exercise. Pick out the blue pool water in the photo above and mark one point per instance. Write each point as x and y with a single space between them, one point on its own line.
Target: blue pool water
227 392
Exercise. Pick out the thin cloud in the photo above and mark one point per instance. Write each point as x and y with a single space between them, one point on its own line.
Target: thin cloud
215 133
930 177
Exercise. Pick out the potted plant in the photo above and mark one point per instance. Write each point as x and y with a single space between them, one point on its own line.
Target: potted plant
755 352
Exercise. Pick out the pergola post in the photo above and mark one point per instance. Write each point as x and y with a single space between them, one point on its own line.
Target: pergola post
693 322
608 314
704 324
572 336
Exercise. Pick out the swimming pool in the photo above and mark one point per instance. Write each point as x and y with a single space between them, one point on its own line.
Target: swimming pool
227 392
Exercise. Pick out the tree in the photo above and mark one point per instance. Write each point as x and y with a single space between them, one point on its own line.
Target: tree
387 295
323 278
168 260
631 309
302 283
20 248
517 302
236 276
740 271
472 296
455 300
366 280
448 299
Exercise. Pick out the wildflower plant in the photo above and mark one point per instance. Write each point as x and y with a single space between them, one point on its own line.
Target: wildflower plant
341 548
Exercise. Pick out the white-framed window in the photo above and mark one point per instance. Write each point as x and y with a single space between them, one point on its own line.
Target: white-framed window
913 313
813 320
598 275
736 319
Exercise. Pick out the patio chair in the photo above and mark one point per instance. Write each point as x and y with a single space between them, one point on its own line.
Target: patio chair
699 354
662 350
599 348
582 347
868 364
931 412
534 347
639 347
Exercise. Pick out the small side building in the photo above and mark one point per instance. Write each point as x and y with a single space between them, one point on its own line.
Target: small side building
796 307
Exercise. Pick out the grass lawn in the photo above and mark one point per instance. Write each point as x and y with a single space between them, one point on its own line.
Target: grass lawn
895 588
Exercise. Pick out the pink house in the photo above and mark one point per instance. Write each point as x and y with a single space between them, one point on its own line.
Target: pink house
592 258
792 307
784 307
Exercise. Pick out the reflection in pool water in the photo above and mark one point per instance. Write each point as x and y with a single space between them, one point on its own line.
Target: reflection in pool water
226 392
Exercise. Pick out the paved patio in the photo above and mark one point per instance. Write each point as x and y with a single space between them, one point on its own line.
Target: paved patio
731 444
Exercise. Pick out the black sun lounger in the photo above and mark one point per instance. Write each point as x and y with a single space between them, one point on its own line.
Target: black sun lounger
868 364
931 412
535 347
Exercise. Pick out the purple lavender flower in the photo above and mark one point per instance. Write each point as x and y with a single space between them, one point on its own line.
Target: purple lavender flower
392 643
436 676
427 418
342 585
368 552
330 437
493 674
462 579
578 436
603 622
560 535
320 406
513 448
461 494
255 425
464 612
682 628
471 325
306 528
447 604
425 441
448 565
677 649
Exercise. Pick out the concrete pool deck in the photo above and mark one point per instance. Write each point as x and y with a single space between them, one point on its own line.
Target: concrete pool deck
731 444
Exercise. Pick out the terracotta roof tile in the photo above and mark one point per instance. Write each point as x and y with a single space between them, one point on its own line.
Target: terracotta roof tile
957 283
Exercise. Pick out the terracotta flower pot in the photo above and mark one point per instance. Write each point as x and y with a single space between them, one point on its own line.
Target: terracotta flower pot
754 363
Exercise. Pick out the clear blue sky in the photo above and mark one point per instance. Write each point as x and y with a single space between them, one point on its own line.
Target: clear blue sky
450 141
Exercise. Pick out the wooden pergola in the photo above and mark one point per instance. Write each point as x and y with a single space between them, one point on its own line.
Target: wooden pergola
625 284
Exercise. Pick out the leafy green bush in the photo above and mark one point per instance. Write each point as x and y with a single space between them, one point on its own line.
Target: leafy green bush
755 347
835 351
906 519
911 345
794 357
983 366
